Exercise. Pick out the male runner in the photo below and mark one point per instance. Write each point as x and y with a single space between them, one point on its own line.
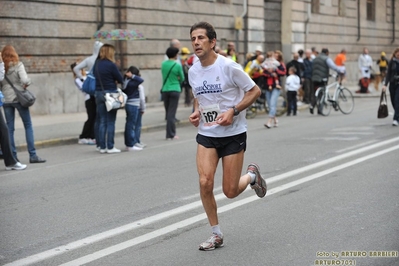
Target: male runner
221 90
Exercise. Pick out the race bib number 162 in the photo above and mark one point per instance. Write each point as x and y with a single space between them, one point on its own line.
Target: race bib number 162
209 114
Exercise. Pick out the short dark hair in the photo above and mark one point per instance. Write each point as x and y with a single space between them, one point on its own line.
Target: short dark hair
324 51
210 30
172 52
293 69
300 52
134 70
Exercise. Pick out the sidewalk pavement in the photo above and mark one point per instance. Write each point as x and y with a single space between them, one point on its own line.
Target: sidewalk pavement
62 129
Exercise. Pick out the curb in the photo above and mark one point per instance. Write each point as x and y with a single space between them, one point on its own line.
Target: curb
74 140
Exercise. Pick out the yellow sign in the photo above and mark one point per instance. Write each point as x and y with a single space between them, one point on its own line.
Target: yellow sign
238 25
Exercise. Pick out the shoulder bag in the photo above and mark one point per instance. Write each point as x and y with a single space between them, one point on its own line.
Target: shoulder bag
89 85
167 76
114 100
383 108
25 97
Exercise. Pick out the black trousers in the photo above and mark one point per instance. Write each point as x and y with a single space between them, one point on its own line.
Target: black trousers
88 127
9 158
171 101
291 101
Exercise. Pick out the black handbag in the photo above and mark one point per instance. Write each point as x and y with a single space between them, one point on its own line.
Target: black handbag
383 108
25 97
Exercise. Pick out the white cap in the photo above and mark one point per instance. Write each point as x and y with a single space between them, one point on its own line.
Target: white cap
259 48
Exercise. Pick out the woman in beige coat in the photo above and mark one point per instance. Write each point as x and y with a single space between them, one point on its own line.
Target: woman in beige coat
15 72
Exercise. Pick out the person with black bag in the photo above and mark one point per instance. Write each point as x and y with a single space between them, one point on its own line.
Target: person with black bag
392 78
17 78
173 76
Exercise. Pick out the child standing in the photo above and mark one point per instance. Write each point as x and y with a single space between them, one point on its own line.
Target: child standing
132 108
292 84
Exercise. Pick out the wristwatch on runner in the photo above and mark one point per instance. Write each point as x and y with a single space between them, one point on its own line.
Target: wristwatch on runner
236 112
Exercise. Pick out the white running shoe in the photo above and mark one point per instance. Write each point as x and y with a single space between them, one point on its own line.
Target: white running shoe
17 166
139 145
83 141
113 150
91 141
134 148
395 123
102 151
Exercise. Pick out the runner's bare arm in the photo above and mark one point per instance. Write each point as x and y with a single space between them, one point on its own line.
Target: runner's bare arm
195 116
226 118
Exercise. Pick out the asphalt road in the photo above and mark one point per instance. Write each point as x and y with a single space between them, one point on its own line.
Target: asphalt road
333 198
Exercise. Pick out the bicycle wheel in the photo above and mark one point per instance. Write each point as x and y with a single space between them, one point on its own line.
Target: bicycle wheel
345 101
323 106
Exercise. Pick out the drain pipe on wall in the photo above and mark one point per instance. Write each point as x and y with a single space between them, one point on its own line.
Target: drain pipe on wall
358 20
239 21
101 24
393 21
307 23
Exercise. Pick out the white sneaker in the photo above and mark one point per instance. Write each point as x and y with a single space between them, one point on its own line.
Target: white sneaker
143 145
395 123
17 166
91 141
113 150
83 141
102 151
134 148
139 145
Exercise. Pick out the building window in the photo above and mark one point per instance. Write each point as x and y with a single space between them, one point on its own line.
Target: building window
223 1
341 8
316 6
371 10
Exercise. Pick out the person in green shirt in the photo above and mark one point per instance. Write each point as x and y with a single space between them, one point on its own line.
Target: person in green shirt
172 76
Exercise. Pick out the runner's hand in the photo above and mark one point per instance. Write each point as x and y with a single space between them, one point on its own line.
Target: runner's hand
384 88
226 118
195 118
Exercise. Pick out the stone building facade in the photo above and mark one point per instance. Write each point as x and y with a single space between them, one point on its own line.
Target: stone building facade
50 35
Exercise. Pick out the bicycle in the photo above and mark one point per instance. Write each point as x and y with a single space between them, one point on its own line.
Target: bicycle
342 98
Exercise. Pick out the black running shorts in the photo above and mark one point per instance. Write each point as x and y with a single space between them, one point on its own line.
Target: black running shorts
225 145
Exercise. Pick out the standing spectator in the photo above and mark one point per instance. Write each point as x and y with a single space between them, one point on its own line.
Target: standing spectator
87 136
5 145
15 72
382 62
392 78
258 51
140 117
107 76
231 51
172 75
314 53
292 85
300 56
365 63
132 108
176 44
307 77
296 64
321 69
185 55
270 64
340 60
91 126
273 94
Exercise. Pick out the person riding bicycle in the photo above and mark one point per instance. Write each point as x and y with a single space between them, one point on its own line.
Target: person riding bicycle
321 68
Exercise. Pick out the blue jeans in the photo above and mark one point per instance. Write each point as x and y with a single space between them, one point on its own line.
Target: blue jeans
394 92
9 111
272 97
106 123
132 113
138 127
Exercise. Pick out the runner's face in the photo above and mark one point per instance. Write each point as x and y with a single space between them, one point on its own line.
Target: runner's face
201 44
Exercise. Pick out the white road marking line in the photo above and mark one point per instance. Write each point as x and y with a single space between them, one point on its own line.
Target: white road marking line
164 215
173 227
356 146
